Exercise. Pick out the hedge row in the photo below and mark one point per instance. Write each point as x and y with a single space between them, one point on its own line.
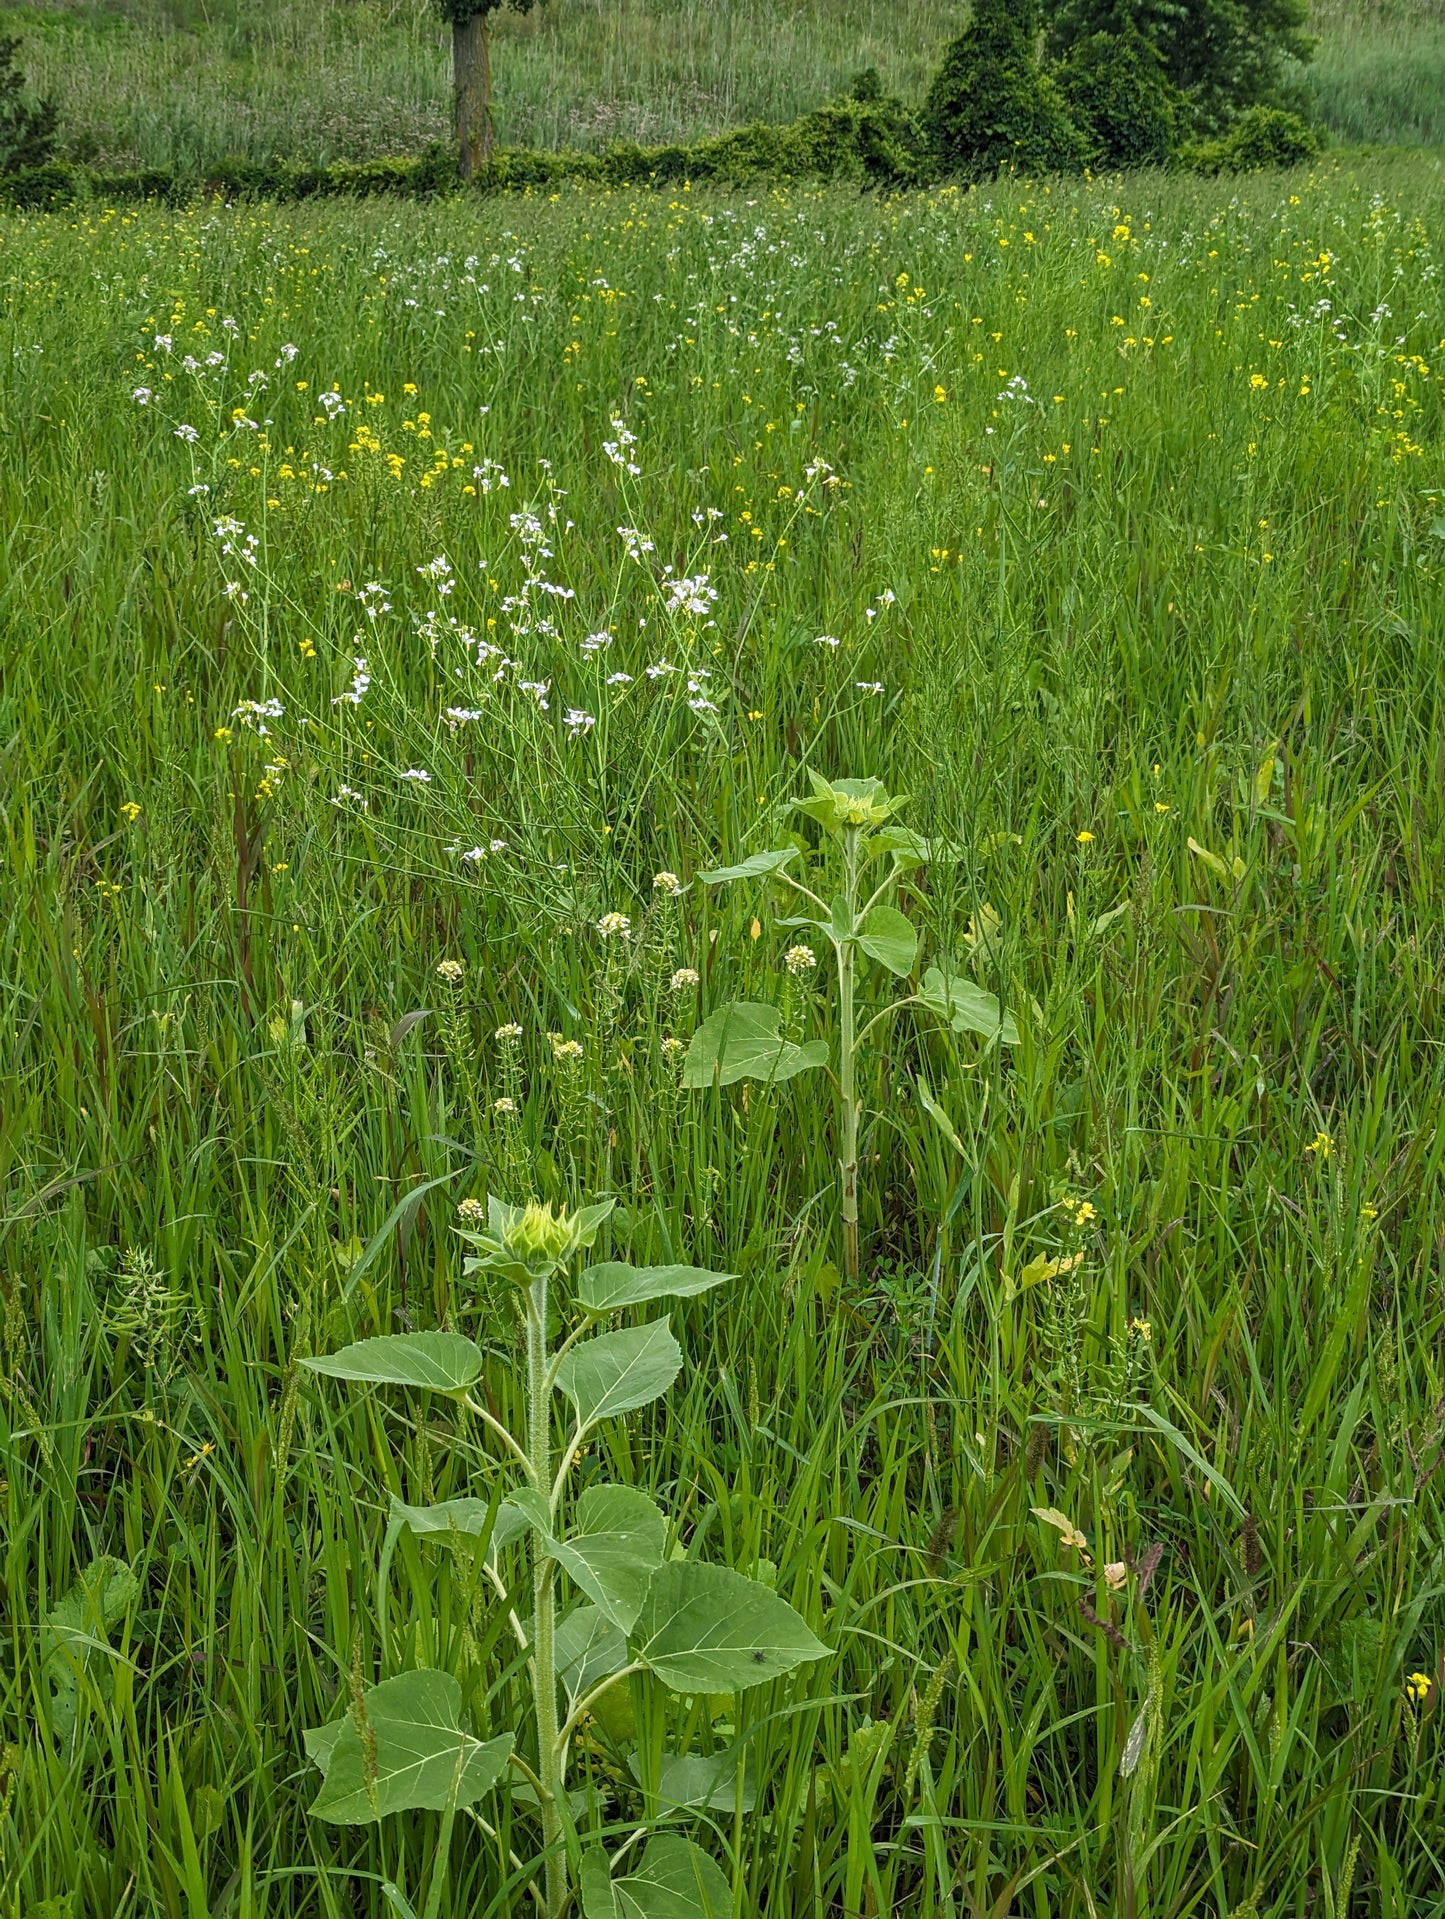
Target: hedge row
871 142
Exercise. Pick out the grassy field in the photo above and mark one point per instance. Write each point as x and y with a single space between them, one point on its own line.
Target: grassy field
1104 526
185 83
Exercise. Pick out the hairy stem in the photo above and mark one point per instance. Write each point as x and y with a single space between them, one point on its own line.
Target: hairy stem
848 1131
544 1659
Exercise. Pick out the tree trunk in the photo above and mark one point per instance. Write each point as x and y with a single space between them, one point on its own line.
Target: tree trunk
472 89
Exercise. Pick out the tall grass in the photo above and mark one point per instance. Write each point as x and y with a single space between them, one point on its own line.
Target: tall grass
184 85
1154 482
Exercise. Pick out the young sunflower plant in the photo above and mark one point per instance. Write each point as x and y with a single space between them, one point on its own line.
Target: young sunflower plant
862 922
600 1598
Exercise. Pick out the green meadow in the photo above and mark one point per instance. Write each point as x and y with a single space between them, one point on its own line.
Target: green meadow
403 607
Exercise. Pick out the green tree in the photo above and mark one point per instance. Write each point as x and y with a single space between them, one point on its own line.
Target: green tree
1119 97
472 75
991 107
1220 55
27 127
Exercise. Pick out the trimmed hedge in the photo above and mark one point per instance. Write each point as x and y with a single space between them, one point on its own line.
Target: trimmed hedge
871 142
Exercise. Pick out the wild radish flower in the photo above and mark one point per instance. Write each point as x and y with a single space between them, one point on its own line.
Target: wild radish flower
636 543
827 639
869 686
689 594
611 923
658 668
333 403
254 713
187 433
578 722
360 680
459 715
800 960
668 883
451 972
619 679
539 690
418 774
474 855
142 395
348 795
596 642
684 978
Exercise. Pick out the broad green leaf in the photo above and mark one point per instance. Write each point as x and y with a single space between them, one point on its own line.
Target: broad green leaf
743 1041
441 1362
594 1886
940 1119
704 1629
320 1743
617 1372
463 1516
77 1627
613 1549
888 937
752 867
589 1647
909 849
697 1782
423 1758
676 1880
611 1287
532 1509
967 1007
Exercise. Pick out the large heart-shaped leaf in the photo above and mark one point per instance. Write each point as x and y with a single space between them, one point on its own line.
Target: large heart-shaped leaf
704 1629
743 1041
699 1782
617 1372
589 1647
613 1286
73 1636
888 936
967 1007
676 1880
423 1760
442 1362
455 1519
613 1549
751 868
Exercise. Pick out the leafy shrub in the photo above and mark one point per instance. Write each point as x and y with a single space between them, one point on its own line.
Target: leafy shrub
1263 137
872 142
1222 56
990 107
27 127
1120 99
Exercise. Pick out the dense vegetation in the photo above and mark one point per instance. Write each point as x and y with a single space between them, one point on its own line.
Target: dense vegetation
392 594
184 85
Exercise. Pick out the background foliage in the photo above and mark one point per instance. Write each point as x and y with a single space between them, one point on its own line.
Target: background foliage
185 85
